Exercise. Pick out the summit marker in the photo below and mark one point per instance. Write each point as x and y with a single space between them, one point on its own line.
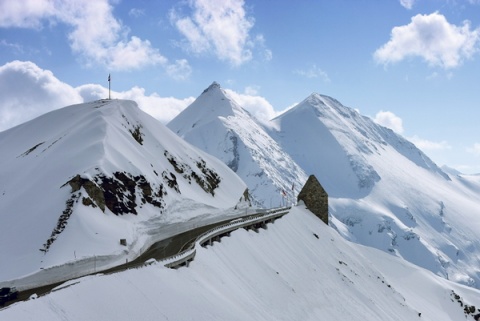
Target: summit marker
109 81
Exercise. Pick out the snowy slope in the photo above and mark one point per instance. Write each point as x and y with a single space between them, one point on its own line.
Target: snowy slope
215 123
297 269
384 192
75 181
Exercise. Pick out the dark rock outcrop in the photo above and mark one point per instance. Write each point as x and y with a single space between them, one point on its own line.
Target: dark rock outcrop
207 179
118 193
315 198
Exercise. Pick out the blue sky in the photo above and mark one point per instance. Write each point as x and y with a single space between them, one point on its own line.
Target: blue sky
413 65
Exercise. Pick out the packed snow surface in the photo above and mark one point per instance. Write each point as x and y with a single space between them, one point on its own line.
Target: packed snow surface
297 269
152 177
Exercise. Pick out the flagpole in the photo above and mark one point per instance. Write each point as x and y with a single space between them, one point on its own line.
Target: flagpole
109 80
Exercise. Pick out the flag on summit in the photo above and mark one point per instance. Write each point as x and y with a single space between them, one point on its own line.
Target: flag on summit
108 77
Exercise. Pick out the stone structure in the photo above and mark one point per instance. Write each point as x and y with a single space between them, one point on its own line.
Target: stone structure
315 198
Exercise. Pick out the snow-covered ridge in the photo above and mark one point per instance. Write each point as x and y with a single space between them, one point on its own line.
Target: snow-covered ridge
76 180
348 139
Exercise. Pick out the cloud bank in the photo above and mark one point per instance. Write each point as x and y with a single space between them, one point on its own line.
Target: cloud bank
389 120
96 35
432 38
427 145
256 105
28 91
395 123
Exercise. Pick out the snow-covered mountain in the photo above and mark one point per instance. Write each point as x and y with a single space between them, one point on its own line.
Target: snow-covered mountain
75 181
215 123
296 269
384 192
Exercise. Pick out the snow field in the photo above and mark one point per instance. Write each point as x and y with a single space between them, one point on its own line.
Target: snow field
282 273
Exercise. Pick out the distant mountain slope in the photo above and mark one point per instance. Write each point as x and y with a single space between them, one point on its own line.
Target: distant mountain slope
296 269
215 123
340 143
76 180
384 192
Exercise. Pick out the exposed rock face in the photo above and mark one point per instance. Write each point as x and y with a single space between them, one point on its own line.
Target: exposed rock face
245 198
119 193
315 198
208 179
123 192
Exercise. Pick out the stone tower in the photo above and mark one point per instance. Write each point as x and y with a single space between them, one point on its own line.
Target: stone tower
315 198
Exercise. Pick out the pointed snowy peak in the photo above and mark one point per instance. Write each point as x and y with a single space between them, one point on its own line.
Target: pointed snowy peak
216 124
345 141
213 103
213 86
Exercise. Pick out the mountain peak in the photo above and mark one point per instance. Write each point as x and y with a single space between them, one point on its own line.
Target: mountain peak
214 85
108 157
215 123
213 104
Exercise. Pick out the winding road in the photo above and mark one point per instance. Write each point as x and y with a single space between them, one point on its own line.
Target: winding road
175 245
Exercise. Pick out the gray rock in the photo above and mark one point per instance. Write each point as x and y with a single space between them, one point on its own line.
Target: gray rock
315 198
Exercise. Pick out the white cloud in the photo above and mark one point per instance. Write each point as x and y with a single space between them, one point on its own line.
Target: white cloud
96 35
28 91
475 149
266 53
180 70
258 106
389 120
26 13
313 72
219 27
17 48
408 4
162 108
427 145
252 90
432 38
136 13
